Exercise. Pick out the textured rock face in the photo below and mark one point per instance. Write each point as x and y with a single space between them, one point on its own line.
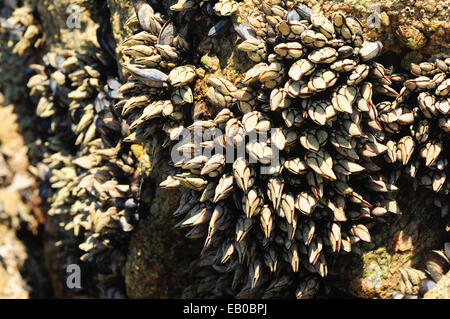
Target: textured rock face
401 242
424 22
442 289
158 257
155 248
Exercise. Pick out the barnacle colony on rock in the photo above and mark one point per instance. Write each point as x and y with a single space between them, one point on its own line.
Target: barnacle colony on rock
316 98
284 163
416 126
84 161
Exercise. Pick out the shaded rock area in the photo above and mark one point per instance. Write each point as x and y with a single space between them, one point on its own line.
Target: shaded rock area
402 241
442 289
34 250
158 256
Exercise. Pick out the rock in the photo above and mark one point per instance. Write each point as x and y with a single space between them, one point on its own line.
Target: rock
158 255
442 289
402 241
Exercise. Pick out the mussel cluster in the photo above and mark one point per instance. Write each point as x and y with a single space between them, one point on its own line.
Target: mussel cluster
312 129
89 171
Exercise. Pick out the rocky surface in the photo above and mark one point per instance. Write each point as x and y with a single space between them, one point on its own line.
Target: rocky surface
158 256
442 289
401 241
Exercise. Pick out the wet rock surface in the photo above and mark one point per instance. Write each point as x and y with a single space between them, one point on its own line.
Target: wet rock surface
442 289
400 242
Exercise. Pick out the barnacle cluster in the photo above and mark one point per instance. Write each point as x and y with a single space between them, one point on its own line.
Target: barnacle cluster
19 34
88 169
317 98
416 127
22 269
